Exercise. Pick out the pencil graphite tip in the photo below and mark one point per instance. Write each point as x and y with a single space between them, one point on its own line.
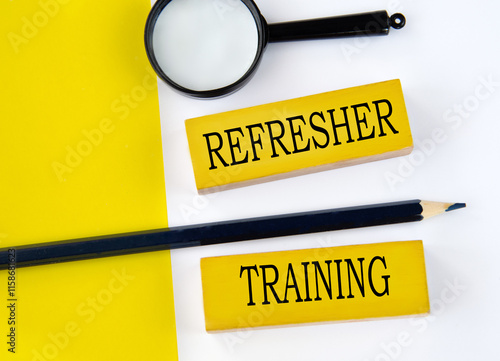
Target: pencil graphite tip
455 206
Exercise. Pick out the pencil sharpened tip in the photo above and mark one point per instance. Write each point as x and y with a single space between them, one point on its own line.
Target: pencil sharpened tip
455 206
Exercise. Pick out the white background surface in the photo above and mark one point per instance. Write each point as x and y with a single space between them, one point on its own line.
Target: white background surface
444 56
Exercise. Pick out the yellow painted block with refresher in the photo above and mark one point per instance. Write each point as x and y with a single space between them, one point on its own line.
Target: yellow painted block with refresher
344 283
298 136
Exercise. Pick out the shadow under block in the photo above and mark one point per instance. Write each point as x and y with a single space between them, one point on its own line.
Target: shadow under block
299 136
344 283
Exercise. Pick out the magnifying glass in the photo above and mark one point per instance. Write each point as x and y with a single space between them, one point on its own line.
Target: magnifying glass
211 48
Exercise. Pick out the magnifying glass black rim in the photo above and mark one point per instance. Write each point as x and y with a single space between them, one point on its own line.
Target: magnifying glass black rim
213 93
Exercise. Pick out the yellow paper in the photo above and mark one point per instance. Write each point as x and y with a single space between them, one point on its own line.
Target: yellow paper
314 285
80 155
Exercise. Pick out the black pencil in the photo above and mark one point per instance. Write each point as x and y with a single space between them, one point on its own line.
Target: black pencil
222 232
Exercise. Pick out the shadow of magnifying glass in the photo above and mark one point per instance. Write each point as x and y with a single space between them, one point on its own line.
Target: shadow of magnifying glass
211 48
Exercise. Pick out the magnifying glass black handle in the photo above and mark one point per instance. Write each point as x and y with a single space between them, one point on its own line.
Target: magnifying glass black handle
371 23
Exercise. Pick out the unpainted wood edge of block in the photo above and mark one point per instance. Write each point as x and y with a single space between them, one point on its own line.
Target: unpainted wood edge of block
308 170
236 329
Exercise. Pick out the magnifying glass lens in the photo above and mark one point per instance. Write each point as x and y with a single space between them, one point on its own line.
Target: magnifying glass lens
201 45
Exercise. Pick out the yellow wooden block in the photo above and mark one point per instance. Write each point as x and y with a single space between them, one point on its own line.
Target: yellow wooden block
314 285
297 136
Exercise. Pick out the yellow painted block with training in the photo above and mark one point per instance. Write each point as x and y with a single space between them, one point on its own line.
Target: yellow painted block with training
344 283
298 136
